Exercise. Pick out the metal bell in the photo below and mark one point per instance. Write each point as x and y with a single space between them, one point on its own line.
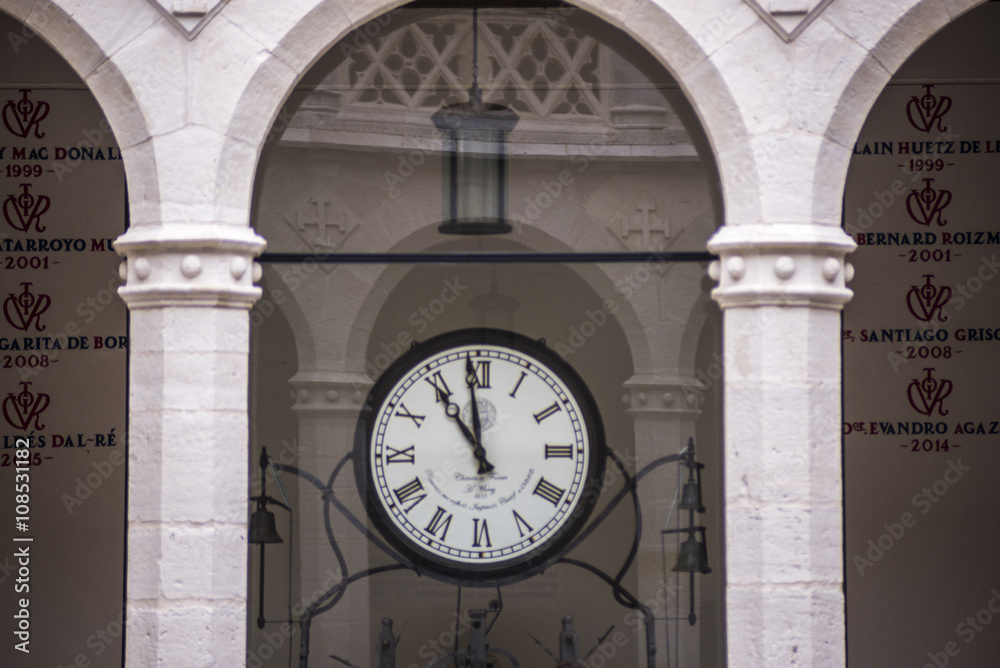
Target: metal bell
693 557
688 560
691 497
263 528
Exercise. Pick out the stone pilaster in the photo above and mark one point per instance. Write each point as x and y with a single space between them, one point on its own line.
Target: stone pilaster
781 288
664 409
189 289
327 404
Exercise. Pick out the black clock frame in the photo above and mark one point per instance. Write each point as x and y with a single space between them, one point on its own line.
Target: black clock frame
523 565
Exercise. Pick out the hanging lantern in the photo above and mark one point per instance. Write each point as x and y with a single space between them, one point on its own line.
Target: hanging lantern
475 167
475 164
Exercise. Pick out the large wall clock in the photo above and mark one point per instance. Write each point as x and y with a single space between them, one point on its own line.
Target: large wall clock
480 454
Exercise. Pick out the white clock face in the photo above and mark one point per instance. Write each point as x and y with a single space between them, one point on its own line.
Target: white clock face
490 490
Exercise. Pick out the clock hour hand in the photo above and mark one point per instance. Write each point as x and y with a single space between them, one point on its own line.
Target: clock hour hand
452 411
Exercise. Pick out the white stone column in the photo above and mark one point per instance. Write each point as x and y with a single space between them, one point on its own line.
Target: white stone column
189 290
782 287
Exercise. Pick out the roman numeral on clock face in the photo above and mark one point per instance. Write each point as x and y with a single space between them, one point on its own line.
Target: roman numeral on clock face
522 526
547 412
411 493
481 374
437 382
558 451
480 533
517 386
404 412
404 456
440 522
548 491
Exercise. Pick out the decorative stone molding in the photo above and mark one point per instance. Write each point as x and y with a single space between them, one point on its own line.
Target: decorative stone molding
664 398
189 16
644 218
788 18
517 45
644 116
328 392
781 265
190 265
324 222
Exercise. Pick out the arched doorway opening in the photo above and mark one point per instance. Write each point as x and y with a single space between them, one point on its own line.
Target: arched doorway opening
611 198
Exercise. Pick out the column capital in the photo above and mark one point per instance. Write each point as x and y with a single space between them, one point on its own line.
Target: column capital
187 264
329 392
666 397
781 265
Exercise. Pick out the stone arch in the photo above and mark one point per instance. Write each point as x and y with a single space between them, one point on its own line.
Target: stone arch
302 46
673 44
89 58
323 388
895 44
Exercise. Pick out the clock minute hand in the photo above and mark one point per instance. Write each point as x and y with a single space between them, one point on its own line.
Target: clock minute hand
470 380
452 411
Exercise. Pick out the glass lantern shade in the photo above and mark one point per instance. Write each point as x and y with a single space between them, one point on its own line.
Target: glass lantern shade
475 166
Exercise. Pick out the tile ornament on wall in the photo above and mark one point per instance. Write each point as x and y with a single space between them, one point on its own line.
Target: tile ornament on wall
324 224
189 16
788 18
643 219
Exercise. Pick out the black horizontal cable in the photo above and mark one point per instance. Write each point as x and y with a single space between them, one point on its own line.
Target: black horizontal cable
486 257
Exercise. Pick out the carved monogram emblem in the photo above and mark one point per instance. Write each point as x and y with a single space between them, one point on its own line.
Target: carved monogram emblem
926 205
25 115
927 300
24 408
24 309
927 111
25 209
928 393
